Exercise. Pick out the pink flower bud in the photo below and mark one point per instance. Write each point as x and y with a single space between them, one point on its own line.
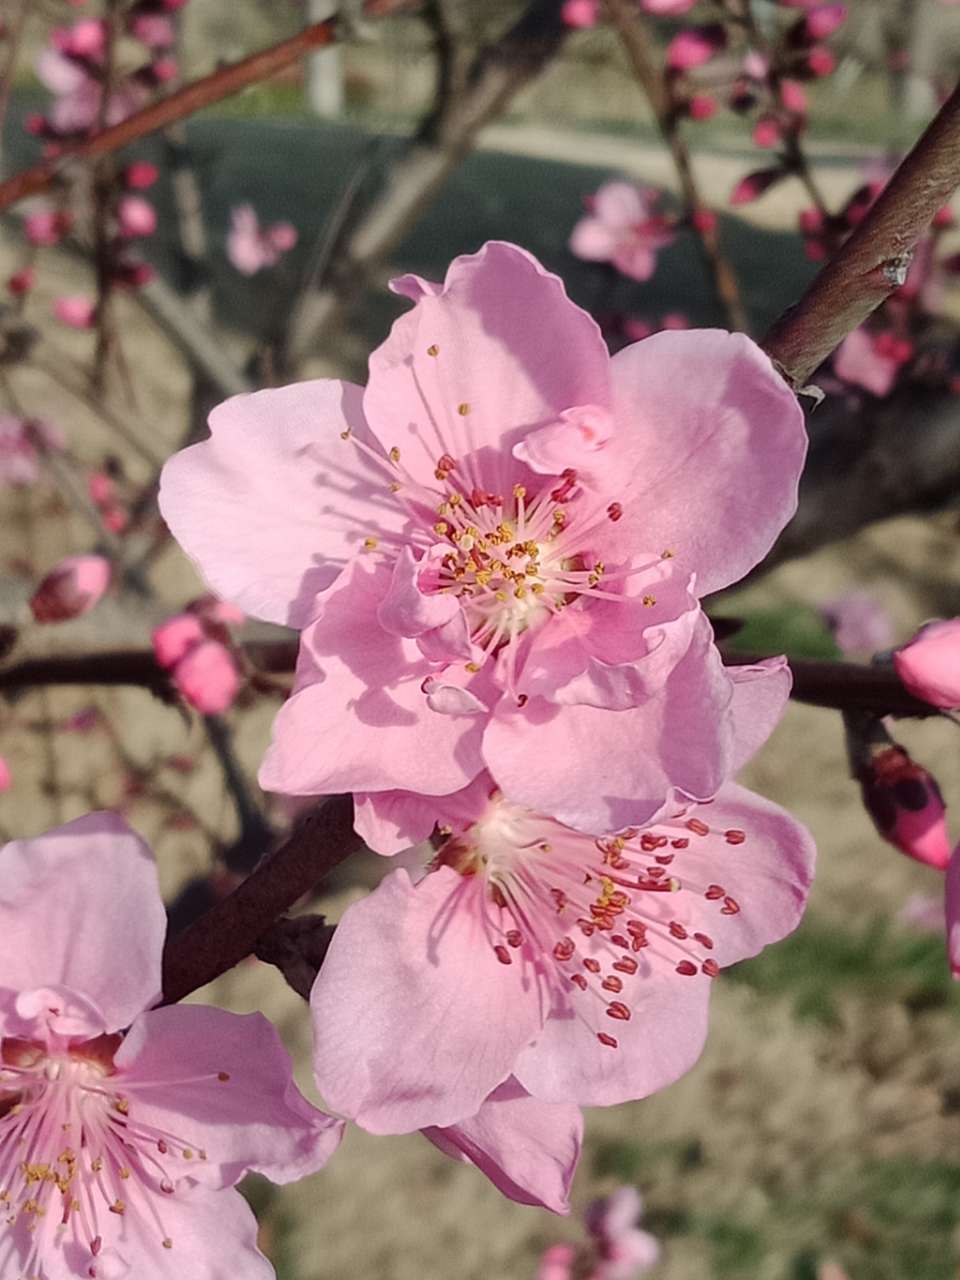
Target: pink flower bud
140 175
702 106
929 665
793 96
282 236
556 1263
115 519
756 65
71 588
811 221
136 216
704 220
153 30
944 218
820 62
952 891
667 8
906 806
164 70
22 281
207 677
824 20
766 132
100 487
173 639
133 275
78 313
753 186
695 46
580 13
46 227
6 778
85 39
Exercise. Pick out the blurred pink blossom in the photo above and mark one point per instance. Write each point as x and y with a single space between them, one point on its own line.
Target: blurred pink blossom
22 442
140 174
624 1251
78 313
22 281
72 588
78 93
824 19
859 622
46 227
154 30
6 777
251 248
923 911
695 46
580 13
150 1115
871 360
556 1262
929 664
667 7
207 677
952 892
624 229
136 216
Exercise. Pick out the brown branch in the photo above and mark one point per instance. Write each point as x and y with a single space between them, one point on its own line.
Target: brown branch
840 685
873 262
633 37
229 932
185 102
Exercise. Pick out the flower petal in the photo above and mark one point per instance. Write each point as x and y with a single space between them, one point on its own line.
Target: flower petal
80 908
714 441
528 1149
274 503
408 610
358 719
760 694
470 370
415 1019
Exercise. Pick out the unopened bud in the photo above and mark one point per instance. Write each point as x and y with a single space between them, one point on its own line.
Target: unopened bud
207 677
824 20
695 46
173 639
902 798
71 588
929 665
755 184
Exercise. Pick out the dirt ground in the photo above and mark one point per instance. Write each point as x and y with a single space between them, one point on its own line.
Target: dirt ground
822 1119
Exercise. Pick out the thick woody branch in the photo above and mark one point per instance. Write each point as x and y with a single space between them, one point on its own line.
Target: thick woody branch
840 685
873 262
185 102
230 931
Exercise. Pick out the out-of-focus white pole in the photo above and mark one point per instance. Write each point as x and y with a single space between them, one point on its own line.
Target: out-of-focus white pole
324 84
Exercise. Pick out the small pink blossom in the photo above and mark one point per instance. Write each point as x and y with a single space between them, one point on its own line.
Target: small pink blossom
557 1262
6 777
871 360
173 638
153 30
793 97
136 216
22 443
580 967
78 313
702 106
623 228
623 1250
859 622
208 678
498 438
767 131
140 175
755 184
820 62
71 588
46 227
824 19
580 13
929 665
251 248
22 281
149 1117
667 8
695 46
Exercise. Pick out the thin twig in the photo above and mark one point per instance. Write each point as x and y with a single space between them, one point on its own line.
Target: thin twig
229 932
185 102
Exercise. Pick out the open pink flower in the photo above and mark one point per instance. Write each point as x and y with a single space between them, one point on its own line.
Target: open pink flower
580 967
493 548
22 443
250 248
123 1127
78 92
624 1250
623 228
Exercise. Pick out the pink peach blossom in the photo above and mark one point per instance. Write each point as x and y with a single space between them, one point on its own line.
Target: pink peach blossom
44 227
624 1250
580 967
78 93
695 46
492 547
173 639
73 587
23 441
667 8
859 622
871 360
78 313
131 1124
22 281
557 1262
824 19
250 248
207 677
580 13
929 665
140 174
153 29
623 228
136 216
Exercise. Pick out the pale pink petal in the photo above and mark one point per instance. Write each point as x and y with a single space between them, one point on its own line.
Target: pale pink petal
858 361
359 718
528 1149
415 1019
586 767
274 504
59 74
594 240
710 453
80 908
226 1080
409 610
451 699
390 821
621 204
512 353
207 677
636 260
760 694
575 439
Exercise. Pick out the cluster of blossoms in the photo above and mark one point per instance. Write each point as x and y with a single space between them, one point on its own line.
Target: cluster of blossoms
195 647
495 554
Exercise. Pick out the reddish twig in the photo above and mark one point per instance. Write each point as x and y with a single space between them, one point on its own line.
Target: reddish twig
874 261
229 932
842 686
634 40
185 102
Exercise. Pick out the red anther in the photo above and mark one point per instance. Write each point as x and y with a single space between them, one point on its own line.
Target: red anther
619 940
96 1244
731 907
564 949
445 462
615 1009
626 964
609 1041
734 836
697 827
650 842
639 942
710 968
586 927
636 926
591 964
502 954
655 873
681 843
665 859
610 983
162 1147
580 980
514 938
687 968
614 511
715 891
678 931
559 897
705 940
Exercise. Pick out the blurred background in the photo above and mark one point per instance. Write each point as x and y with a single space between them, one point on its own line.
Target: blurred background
823 1121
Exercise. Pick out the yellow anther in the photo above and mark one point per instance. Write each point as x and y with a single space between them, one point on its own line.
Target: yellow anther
118 1207
649 601
537 588
168 1243
123 1106
519 491
433 350
666 555
559 517
187 1153
96 1164
441 527
520 592
371 544
394 454
473 667
345 435
394 486
455 499
463 410
501 595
